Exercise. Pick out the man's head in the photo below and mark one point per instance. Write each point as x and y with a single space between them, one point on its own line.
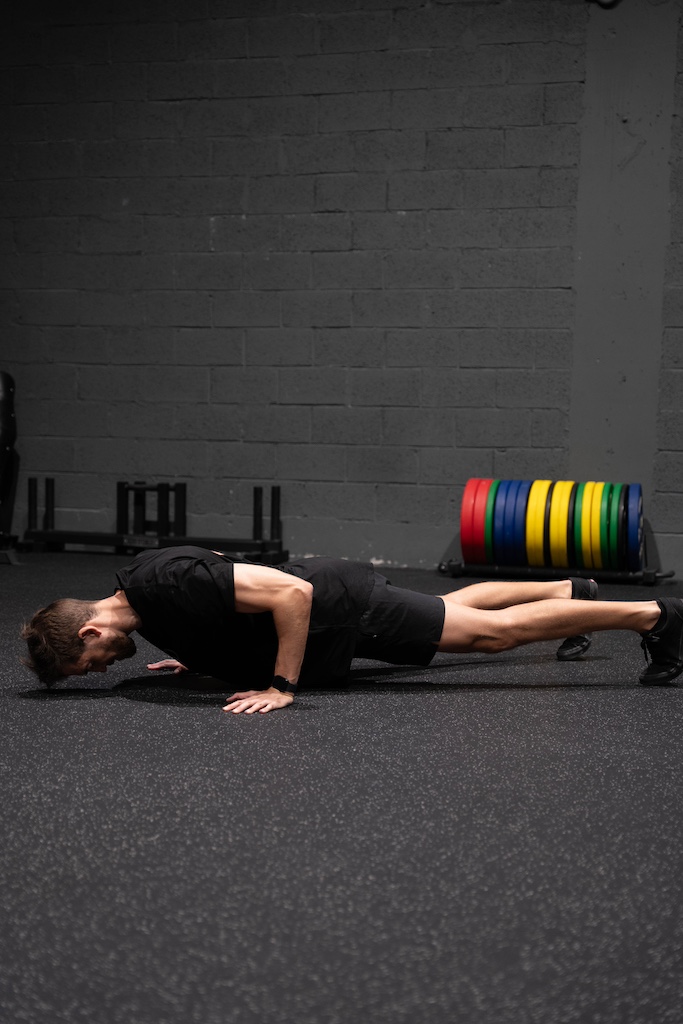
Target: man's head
67 638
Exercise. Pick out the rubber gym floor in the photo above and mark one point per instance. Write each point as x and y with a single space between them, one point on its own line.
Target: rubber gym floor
495 840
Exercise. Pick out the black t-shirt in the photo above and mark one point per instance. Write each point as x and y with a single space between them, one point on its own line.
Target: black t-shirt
185 597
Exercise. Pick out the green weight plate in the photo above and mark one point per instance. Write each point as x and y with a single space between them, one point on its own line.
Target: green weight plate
488 527
605 505
613 527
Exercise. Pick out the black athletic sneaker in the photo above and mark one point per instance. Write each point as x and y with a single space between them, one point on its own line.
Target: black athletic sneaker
574 646
664 645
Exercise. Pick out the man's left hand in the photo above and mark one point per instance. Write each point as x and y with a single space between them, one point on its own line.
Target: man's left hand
262 701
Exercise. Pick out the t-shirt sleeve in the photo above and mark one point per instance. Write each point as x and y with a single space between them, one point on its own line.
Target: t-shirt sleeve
193 582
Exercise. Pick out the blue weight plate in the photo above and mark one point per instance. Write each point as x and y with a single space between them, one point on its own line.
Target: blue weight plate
634 527
519 531
509 522
499 522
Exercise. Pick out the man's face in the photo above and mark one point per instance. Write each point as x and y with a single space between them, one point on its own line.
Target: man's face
102 651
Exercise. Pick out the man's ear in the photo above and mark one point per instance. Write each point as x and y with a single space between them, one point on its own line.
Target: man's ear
87 629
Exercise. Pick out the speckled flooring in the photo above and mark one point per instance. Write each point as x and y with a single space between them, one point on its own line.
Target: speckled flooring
496 840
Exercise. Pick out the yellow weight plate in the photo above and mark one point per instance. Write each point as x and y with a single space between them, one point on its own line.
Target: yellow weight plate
596 506
559 513
535 521
586 509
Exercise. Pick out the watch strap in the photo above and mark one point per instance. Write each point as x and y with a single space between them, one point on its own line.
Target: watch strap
284 685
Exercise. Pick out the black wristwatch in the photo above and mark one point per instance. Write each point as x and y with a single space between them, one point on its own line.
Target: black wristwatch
280 683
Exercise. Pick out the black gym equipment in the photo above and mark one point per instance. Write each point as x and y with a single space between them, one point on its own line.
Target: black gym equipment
164 531
9 468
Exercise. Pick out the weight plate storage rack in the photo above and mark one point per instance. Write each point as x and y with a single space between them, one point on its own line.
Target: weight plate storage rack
543 527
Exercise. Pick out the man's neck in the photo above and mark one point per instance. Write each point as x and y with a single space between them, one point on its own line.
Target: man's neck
116 612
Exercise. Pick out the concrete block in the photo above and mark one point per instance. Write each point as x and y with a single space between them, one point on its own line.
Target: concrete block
285 35
357 30
207 346
100 383
320 385
350 192
369 111
397 229
48 307
530 464
180 80
672 348
311 462
420 270
282 115
348 426
419 190
665 512
389 309
45 85
41 234
546 145
423 347
535 228
316 309
382 465
316 232
563 103
24 344
497 349
422 109
26 122
238 385
502 106
212 38
174 458
178 157
246 309
388 151
547 62
314 154
206 422
143 42
269 271
49 455
107 308
498 268
670 429
493 428
385 387
464 307
120 159
458 148
279 424
445 387
253 77
31 238
203 118
317 75
27 271
540 389
285 194
337 501
431 428
552 348
152 120
194 196
104 82
160 233
47 160
77 121
559 186
245 156
275 346
449 66
550 427
244 233
498 189
463 229
348 347
526 21
418 505
208 271
547 307
670 391
347 270
178 308
555 268
175 383
428 27
451 466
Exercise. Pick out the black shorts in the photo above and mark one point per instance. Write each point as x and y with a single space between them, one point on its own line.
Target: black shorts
400 626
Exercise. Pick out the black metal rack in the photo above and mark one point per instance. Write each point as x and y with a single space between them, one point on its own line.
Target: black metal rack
167 530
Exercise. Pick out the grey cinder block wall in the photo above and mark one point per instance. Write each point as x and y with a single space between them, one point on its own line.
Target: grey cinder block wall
352 247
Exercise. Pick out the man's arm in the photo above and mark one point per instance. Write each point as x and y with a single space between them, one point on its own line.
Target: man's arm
258 588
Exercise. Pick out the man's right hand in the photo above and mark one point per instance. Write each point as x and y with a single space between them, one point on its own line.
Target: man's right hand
168 665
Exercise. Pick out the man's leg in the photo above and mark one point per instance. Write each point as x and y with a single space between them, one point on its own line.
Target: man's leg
502 594
473 629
